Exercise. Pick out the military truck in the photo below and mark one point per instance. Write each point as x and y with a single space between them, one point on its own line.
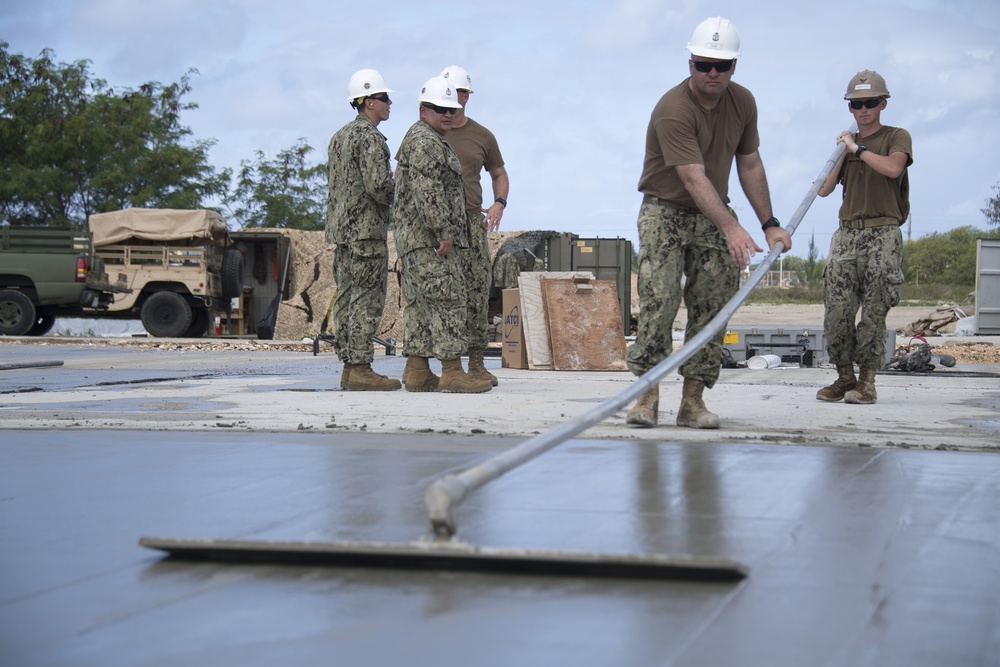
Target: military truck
179 264
48 272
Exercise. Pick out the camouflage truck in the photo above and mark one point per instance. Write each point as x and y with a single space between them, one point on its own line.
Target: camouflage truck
48 272
179 265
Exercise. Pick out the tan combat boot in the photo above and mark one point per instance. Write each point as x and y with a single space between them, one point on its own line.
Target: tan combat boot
693 412
419 376
646 410
844 383
864 393
477 370
345 377
454 379
363 378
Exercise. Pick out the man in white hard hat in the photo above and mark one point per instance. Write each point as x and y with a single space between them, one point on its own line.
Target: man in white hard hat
430 226
360 193
477 149
866 254
686 227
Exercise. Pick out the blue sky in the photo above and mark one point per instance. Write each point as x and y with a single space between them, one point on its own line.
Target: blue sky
566 86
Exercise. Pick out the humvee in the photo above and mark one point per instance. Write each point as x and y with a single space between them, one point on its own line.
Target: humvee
179 264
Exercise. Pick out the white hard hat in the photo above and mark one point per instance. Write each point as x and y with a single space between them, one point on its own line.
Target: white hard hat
366 82
439 91
458 77
715 38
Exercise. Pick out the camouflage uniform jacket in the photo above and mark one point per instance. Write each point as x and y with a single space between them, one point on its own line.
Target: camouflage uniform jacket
430 197
361 187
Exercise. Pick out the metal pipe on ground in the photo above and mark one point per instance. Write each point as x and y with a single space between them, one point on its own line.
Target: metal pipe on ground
448 491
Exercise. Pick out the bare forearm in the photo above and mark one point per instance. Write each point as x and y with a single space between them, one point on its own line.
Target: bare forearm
753 180
706 198
830 184
501 183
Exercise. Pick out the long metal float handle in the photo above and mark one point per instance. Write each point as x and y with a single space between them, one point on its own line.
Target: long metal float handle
451 489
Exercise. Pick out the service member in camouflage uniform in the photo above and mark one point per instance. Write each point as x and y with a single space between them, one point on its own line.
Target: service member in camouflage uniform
361 192
865 266
429 227
477 149
686 228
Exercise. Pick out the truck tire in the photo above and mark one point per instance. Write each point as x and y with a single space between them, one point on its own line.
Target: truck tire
166 315
17 313
199 322
43 324
232 273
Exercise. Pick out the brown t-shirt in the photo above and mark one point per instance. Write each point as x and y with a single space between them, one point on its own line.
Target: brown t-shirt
477 149
682 132
867 193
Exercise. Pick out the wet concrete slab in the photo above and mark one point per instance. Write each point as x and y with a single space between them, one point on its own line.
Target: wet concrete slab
857 556
870 541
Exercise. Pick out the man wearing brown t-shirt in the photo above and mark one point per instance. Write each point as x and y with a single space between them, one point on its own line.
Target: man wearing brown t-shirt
865 269
477 149
686 227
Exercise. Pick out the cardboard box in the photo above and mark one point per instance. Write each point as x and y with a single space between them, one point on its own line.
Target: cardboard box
514 354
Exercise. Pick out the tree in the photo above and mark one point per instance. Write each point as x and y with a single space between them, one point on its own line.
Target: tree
947 258
992 210
70 145
813 266
284 192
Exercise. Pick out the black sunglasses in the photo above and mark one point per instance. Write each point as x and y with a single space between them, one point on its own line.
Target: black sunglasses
868 104
381 97
439 110
706 67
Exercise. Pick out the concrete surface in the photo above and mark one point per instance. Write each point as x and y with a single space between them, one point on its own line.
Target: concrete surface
868 543
120 387
858 556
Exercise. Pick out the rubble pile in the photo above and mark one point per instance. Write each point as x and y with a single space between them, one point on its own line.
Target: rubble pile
941 321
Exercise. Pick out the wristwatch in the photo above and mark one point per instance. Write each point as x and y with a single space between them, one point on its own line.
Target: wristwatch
861 149
501 200
771 222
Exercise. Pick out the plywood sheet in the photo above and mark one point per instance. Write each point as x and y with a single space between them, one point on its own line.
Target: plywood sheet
585 325
536 331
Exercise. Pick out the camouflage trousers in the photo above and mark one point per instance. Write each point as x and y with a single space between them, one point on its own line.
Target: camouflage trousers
676 242
360 270
435 313
864 272
476 265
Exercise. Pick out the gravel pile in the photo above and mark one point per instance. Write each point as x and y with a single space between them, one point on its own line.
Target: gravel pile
969 352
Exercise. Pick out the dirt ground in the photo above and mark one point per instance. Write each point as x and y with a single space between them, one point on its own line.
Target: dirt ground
964 351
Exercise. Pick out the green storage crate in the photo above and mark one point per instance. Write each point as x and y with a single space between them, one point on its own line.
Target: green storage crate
607 259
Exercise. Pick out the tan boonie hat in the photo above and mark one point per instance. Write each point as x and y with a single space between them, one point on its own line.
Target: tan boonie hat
866 84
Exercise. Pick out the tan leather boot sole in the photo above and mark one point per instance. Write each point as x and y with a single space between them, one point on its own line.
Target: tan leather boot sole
861 396
696 417
421 381
643 415
483 374
463 385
